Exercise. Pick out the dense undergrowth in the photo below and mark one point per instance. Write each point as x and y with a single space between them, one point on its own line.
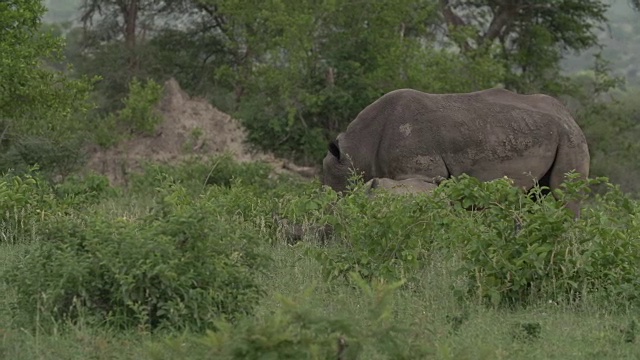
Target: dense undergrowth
195 261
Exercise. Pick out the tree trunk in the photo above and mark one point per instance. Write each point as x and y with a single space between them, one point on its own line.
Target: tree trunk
130 26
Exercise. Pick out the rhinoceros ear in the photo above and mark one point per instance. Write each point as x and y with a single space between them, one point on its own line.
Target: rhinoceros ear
333 149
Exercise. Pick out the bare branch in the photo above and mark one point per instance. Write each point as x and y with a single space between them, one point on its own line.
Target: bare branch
500 21
505 14
453 21
450 17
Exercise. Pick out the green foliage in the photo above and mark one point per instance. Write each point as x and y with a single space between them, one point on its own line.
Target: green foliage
385 236
138 116
39 107
87 189
531 36
185 265
551 256
198 58
298 331
513 248
610 255
138 113
501 261
25 201
34 99
612 130
196 174
54 158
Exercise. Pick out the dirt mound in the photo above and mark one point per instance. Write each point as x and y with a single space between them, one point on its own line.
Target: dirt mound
191 127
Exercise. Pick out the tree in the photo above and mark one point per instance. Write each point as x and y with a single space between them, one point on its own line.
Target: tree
529 36
120 19
113 41
35 101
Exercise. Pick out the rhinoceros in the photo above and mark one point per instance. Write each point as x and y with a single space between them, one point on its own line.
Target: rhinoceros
488 134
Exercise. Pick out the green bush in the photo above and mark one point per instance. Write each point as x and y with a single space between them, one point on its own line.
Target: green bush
106 133
299 331
384 236
610 256
25 201
501 261
510 247
187 264
137 116
197 174
552 256
52 157
87 189
138 113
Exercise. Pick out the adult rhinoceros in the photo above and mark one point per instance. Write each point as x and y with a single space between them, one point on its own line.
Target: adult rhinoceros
408 134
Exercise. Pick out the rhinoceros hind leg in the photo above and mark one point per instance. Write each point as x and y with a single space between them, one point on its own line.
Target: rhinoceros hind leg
569 159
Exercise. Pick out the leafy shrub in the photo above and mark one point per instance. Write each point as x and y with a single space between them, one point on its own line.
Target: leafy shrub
276 129
298 331
138 115
188 263
511 247
312 202
53 158
383 236
501 261
84 189
25 201
106 133
197 174
249 188
551 256
607 236
298 211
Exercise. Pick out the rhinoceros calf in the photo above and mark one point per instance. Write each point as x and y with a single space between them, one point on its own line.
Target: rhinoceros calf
401 187
408 134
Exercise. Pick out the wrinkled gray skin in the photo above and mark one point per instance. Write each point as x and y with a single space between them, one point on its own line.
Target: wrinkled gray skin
401 187
408 134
